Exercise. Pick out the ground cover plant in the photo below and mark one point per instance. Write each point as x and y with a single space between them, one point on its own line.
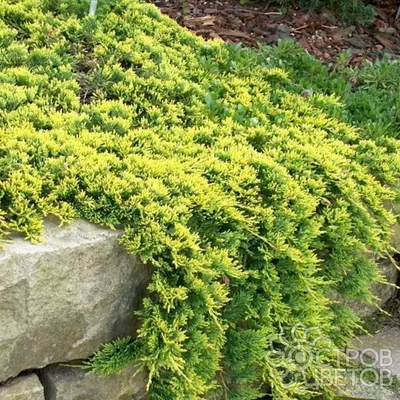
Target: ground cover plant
252 198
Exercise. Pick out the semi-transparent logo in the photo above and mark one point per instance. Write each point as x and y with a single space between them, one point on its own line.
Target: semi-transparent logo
304 354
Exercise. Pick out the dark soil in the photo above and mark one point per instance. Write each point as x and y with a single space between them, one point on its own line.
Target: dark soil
320 34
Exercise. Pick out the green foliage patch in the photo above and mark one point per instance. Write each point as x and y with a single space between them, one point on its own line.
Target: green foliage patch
252 202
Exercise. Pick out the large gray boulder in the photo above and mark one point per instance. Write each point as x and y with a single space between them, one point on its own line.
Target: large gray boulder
377 365
395 208
62 299
63 383
395 241
368 392
383 349
383 292
27 387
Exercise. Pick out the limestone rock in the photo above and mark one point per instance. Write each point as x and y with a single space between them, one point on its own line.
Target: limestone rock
62 299
383 349
63 383
366 392
27 387
383 291
378 358
395 240
395 208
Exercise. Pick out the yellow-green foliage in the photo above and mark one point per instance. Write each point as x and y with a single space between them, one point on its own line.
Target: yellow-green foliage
251 202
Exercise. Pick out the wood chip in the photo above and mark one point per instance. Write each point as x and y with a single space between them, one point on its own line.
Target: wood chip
384 41
235 33
207 20
301 28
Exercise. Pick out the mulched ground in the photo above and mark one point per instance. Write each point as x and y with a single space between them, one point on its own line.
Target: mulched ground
322 35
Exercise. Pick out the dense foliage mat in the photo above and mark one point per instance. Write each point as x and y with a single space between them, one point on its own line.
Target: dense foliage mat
252 201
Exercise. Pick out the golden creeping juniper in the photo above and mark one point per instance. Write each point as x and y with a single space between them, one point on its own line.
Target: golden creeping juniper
251 201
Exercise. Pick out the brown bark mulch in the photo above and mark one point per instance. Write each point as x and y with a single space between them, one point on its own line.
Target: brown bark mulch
320 34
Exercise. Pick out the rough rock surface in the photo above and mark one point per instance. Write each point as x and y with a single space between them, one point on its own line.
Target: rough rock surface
27 387
373 392
383 291
395 242
63 383
379 367
62 299
383 349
